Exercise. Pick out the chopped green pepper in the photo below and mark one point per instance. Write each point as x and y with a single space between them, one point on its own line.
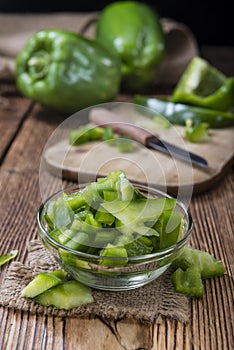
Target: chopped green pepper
191 267
171 228
40 284
112 211
188 282
124 144
133 31
108 135
203 85
7 257
139 247
85 134
196 133
118 253
67 72
66 296
178 113
55 289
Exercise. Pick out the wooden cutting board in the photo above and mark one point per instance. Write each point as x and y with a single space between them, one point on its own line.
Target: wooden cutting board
85 162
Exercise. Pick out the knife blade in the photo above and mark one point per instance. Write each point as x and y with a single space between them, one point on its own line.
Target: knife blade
104 118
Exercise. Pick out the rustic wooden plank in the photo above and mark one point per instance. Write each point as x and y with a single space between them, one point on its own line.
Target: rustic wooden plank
3 325
88 334
213 229
170 335
58 327
19 187
30 326
12 114
161 336
40 333
138 335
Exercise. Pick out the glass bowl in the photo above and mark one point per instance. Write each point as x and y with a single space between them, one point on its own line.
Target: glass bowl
101 272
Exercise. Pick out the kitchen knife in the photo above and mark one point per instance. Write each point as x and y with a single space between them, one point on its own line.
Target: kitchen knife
104 118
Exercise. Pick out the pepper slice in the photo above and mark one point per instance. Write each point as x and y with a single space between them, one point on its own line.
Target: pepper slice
191 267
208 265
178 113
188 282
66 296
197 133
203 85
85 134
7 257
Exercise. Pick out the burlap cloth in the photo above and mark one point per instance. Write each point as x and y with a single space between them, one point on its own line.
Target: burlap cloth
147 304
16 29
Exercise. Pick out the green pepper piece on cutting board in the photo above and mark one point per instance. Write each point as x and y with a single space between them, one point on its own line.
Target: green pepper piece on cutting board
203 85
178 113
196 133
85 134
67 72
133 31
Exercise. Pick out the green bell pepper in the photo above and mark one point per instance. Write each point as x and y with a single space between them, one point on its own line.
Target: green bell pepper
203 85
66 72
133 31
178 113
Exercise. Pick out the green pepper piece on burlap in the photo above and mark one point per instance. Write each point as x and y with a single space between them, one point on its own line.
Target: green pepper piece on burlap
203 85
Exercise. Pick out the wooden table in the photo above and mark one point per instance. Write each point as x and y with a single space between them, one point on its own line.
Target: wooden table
25 128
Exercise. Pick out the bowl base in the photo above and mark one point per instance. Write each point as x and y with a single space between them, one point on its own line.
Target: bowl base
117 282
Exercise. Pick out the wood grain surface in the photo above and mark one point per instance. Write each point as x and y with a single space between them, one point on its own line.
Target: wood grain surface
25 128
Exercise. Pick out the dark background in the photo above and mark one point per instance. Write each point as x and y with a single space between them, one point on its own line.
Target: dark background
212 22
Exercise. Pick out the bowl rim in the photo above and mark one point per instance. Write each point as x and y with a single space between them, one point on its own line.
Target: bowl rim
145 258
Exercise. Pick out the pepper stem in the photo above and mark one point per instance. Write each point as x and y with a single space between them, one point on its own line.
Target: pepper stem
38 64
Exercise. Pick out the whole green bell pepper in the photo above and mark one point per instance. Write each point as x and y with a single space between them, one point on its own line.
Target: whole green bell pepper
203 85
178 113
133 31
66 72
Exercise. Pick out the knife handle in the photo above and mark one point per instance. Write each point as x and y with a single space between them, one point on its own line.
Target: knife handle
104 118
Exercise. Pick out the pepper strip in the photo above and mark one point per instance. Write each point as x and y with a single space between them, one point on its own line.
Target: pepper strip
177 113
